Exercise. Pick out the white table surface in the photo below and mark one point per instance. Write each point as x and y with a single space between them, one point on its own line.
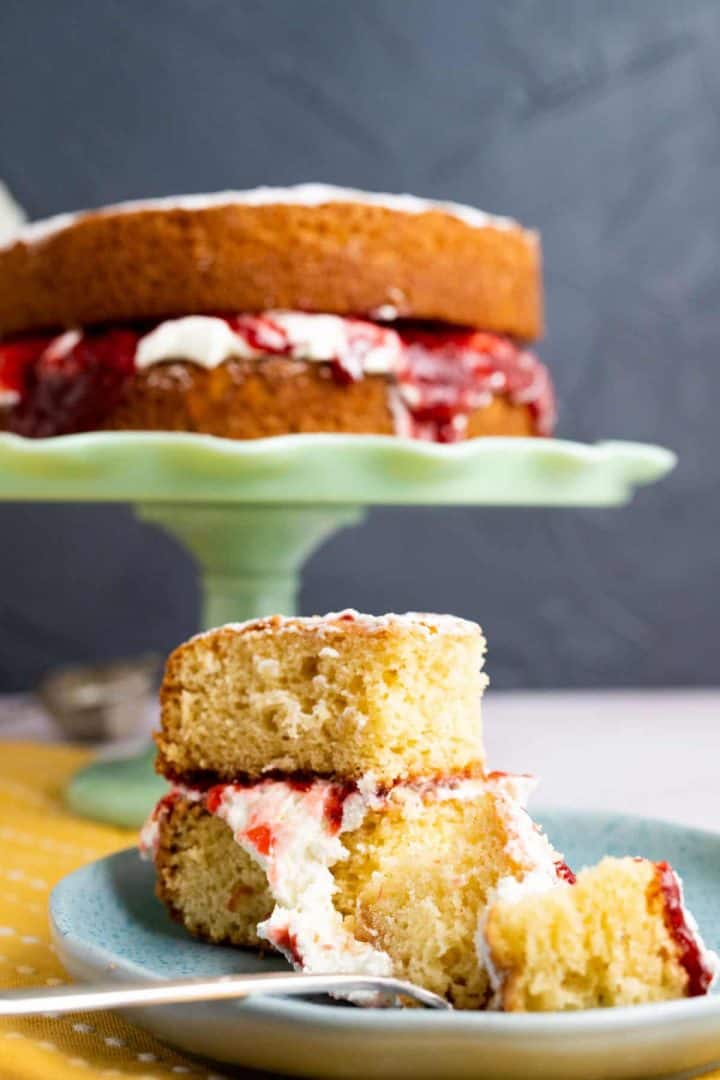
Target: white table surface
655 753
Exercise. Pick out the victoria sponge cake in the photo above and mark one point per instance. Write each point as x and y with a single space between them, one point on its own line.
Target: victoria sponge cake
274 311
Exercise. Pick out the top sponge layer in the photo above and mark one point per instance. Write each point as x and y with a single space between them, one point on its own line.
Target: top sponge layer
394 696
307 248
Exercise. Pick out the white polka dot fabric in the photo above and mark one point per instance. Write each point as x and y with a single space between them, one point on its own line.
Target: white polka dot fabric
40 842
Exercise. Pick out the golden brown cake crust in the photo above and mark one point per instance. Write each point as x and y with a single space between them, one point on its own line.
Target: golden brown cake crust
241 399
348 258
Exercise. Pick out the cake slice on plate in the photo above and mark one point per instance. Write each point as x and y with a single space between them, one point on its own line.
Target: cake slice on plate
329 796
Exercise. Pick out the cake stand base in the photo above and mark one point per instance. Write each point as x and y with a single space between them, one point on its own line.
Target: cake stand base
119 791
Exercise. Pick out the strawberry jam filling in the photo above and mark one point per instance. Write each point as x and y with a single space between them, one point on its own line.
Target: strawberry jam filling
691 954
564 872
67 383
286 942
60 384
446 375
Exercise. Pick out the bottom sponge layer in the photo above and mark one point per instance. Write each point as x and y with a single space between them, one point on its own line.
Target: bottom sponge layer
394 884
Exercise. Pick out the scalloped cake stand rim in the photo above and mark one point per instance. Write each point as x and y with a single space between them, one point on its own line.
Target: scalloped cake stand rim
337 470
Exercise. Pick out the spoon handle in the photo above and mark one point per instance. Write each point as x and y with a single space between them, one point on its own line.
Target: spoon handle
124 994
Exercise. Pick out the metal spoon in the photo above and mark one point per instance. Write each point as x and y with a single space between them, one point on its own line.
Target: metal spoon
119 995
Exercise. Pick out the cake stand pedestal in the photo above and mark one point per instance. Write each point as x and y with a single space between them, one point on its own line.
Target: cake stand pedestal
250 556
252 512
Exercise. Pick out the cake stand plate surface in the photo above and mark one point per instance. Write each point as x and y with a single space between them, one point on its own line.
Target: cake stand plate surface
251 512
325 470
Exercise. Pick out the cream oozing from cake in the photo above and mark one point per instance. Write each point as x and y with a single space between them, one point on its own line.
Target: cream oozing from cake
292 830
150 836
311 194
526 845
12 215
432 380
199 339
293 833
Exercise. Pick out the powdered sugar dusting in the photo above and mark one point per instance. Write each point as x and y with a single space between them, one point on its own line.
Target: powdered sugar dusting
311 194
336 622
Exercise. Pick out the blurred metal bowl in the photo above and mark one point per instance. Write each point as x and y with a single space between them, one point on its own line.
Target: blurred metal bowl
103 701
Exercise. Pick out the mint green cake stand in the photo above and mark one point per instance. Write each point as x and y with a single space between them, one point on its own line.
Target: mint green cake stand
252 512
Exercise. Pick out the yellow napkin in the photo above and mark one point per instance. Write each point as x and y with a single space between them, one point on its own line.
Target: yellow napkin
40 842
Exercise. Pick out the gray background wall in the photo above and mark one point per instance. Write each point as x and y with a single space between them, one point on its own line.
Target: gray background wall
597 122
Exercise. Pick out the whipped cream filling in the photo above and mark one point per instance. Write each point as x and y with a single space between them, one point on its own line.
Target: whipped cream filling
429 380
311 194
363 348
200 339
12 215
709 957
526 845
293 833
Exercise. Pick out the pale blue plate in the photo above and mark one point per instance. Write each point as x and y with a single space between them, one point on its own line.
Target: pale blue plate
107 923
